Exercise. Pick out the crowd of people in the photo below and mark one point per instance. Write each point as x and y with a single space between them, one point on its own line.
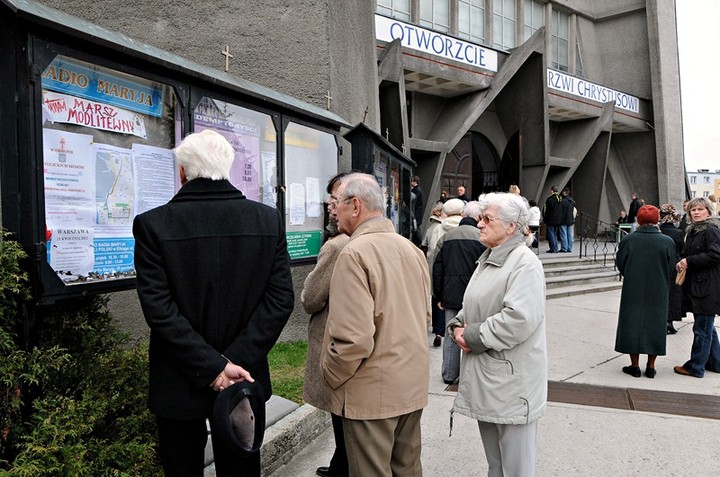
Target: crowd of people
473 277
670 267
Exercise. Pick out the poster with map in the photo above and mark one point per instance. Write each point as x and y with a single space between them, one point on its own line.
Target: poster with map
93 192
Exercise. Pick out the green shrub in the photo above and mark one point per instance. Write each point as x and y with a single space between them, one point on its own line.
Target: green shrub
75 405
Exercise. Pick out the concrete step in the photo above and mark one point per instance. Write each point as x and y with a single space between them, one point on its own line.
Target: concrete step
566 291
286 425
574 269
581 279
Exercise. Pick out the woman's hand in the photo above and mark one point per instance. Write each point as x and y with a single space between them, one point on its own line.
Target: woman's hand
459 339
681 265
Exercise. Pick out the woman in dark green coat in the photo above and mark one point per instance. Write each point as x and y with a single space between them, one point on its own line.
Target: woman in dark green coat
645 259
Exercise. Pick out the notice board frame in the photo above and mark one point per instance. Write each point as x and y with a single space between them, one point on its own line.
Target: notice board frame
32 35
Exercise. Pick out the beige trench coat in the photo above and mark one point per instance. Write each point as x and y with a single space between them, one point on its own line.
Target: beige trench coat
375 351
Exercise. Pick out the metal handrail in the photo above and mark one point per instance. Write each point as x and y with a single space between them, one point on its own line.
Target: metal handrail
599 240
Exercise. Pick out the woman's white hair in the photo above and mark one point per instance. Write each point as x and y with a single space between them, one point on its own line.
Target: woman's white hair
365 188
511 209
206 154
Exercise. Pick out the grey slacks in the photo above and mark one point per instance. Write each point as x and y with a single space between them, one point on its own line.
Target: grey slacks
509 448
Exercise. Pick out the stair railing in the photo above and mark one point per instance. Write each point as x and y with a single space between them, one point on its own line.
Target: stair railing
599 240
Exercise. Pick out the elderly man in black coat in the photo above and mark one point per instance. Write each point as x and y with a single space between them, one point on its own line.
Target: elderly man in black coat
213 278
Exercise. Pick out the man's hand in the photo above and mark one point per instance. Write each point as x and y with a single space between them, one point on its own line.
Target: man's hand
229 376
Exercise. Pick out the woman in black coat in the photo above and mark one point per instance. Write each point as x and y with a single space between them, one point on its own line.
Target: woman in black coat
668 218
701 288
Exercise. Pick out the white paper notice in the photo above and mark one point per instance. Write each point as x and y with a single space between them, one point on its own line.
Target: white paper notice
114 185
269 196
69 173
154 176
297 204
312 191
71 253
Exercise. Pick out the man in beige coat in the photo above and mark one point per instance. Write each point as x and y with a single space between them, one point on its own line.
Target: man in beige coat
375 355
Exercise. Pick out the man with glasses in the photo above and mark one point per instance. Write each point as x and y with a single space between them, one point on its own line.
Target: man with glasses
375 354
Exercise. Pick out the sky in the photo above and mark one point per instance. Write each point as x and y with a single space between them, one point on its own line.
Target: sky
698 24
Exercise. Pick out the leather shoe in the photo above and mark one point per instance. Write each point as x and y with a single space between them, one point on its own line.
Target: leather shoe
324 472
650 372
684 372
633 371
671 329
437 341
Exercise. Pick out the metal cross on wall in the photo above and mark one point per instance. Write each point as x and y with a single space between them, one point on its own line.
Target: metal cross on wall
227 55
329 98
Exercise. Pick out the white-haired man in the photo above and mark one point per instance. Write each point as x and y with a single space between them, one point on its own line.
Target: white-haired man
213 278
375 354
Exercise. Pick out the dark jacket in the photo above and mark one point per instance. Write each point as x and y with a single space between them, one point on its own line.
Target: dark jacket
568 211
458 250
633 210
213 278
702 282
552 212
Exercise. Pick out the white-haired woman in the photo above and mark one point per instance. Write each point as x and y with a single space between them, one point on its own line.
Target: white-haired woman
501 329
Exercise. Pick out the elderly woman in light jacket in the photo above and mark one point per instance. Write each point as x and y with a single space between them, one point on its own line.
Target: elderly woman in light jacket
501 329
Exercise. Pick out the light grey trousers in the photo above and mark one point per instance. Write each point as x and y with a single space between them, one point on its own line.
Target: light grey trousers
509 448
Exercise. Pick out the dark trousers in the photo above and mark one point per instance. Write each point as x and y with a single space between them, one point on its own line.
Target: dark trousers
438 318
182 451
339 461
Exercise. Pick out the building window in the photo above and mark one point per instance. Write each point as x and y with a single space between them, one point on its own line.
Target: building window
534 17
706 179
471 20
435 14
693 179
504 24
398 9
706 193
560 40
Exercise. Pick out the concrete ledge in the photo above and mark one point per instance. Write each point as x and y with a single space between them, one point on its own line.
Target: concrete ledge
288 428
291 434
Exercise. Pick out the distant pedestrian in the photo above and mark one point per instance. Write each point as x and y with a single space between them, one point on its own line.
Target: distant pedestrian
315 300
461 194
645 259
668 221
501 329
452 210
375 353
701 288
534 221
438 316
622 218
684 222
635 204
458 252
418 209
567 224
552 216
